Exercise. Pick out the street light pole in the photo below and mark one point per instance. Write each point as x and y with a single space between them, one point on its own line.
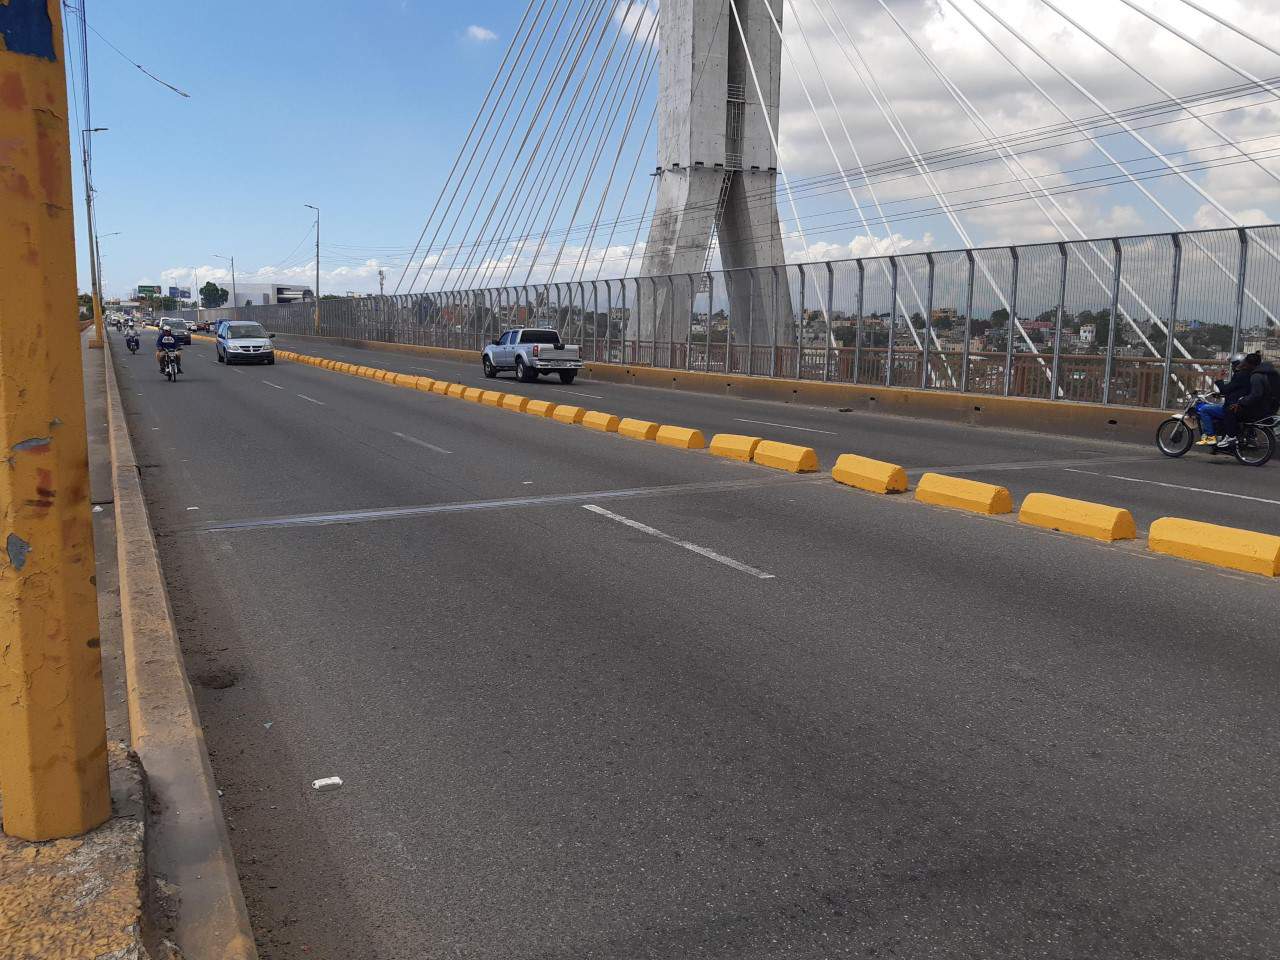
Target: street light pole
316 294
96 340
235 303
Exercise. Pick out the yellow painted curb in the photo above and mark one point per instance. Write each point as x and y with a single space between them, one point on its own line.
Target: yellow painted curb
875 476
637 429
567 413
514 401
492 398
683 438
540 408
1221 546
598 420
440 387
734 446
1080 517
456 390
473 394
785 456
424 384
961 494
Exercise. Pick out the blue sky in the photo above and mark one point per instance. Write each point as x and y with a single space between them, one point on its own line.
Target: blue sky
356 108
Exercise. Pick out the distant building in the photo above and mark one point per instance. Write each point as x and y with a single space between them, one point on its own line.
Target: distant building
254 294
1088 333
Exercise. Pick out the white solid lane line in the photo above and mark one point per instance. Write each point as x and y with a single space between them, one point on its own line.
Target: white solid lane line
579 393
1177 486
270 384
422 443
701 551
786 426
311 399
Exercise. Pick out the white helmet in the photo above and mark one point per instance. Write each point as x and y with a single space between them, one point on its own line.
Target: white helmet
166 328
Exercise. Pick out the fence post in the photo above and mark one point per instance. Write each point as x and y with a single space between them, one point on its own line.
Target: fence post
773 326
688 336
893 318
858 328
799 315
928 325
657 319
1240 275
728 324
968 324
1172 326
1012 323
671 312
622 346
1112 325
53 748
751 321
831 289
711 296
1055 379
608 319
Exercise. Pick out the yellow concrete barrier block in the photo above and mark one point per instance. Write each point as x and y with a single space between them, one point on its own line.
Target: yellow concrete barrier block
567 413
875 476
425 384
1221 546
683 438
513 401
456 390
1080 517
637 429
441 387
961 494
598 420
540 408
330 364
472 393
734 446
785 456
492 398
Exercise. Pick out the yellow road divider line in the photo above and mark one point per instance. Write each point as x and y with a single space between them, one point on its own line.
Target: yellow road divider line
598 420
1085 519
733 446
785 456
1228 547
961 494
637 429
682 438
875 476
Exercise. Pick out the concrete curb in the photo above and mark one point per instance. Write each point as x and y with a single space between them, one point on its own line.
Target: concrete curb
187 837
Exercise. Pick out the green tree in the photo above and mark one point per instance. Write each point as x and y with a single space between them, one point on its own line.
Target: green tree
212 295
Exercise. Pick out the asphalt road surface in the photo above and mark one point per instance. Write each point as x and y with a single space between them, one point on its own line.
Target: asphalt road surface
592 697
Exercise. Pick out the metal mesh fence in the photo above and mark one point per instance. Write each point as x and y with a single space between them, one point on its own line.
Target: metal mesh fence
1085 321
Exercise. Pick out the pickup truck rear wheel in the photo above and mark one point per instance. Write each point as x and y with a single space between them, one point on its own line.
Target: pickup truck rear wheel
566 376
523 373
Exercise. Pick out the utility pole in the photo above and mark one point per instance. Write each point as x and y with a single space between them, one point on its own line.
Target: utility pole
53 752
235 303
317 290
91 227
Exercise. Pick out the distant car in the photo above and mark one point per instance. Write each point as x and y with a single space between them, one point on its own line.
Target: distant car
180 332
243 340
531 351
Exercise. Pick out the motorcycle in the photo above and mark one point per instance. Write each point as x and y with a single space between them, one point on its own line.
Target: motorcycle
169 366
131 341
1257 443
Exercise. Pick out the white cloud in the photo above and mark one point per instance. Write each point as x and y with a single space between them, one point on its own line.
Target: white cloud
480 34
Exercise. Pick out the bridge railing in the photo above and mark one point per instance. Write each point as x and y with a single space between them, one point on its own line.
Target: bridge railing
1086 321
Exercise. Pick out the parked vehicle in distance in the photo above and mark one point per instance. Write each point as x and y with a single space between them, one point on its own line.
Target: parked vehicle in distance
243 340
531 351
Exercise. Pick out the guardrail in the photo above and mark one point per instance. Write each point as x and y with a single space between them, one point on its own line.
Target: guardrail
1086 321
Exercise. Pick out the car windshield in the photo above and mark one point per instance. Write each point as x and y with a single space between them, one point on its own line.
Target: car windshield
540 336
237 330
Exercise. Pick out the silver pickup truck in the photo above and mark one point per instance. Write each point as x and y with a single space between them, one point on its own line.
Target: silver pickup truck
531 351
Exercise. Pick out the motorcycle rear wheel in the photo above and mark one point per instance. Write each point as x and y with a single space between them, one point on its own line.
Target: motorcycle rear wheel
1174 437
1257 445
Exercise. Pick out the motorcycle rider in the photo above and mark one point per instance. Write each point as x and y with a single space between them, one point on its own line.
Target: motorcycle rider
1211 414
1253 393
167 341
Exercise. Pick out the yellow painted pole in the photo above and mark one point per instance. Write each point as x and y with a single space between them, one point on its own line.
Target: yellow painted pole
53 754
